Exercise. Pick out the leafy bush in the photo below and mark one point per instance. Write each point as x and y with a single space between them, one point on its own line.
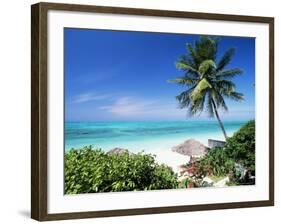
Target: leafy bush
216 162
236 160
241 146
90 170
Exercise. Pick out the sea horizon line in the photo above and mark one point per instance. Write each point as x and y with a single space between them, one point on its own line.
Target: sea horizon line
187 120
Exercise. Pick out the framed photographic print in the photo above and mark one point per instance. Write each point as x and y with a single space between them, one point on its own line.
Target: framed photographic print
139 111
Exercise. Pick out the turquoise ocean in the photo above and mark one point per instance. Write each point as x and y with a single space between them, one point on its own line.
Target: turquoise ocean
147 136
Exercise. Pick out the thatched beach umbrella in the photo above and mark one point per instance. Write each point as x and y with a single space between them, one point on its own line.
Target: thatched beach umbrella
118 151
191 147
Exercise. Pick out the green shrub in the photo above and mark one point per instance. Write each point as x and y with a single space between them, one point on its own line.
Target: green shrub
90 170
221 161
216 162
241 146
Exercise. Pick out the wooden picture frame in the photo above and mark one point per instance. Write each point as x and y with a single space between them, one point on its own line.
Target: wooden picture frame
39 109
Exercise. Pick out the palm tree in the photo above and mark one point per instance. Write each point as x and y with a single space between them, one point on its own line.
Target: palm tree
207 81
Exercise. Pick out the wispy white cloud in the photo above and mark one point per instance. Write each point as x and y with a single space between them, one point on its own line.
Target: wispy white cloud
130 106
86 97
127 106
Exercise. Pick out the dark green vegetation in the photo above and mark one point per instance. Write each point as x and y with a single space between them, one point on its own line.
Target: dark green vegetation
241 147
207 81
90 170
235 160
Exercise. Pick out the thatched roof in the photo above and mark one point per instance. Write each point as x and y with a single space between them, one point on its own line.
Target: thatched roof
118 151
191 147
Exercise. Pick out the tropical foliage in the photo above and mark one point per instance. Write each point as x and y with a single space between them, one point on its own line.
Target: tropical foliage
238 154
90 170
216 162
207 80
241 146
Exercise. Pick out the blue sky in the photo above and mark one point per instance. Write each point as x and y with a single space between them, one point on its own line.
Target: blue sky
122 76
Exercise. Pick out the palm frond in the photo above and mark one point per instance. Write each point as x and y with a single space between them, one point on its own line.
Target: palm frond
206 48
184 98
227 74
186 64
225 86
226 58
193 54
197 93
182 65
184 81
205 66
197 106
236 96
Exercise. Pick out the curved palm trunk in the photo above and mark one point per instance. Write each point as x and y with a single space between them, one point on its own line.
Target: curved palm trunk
219 120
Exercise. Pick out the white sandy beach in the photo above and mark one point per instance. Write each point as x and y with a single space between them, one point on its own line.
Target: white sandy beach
172 159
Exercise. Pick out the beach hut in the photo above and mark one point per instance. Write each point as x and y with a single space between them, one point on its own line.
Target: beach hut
191 148
215 143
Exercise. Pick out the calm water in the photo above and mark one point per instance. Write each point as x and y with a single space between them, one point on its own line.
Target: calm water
138 136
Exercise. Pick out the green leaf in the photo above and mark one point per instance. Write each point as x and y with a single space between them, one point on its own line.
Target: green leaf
226 58
183 81
205 66
184 66
200 87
